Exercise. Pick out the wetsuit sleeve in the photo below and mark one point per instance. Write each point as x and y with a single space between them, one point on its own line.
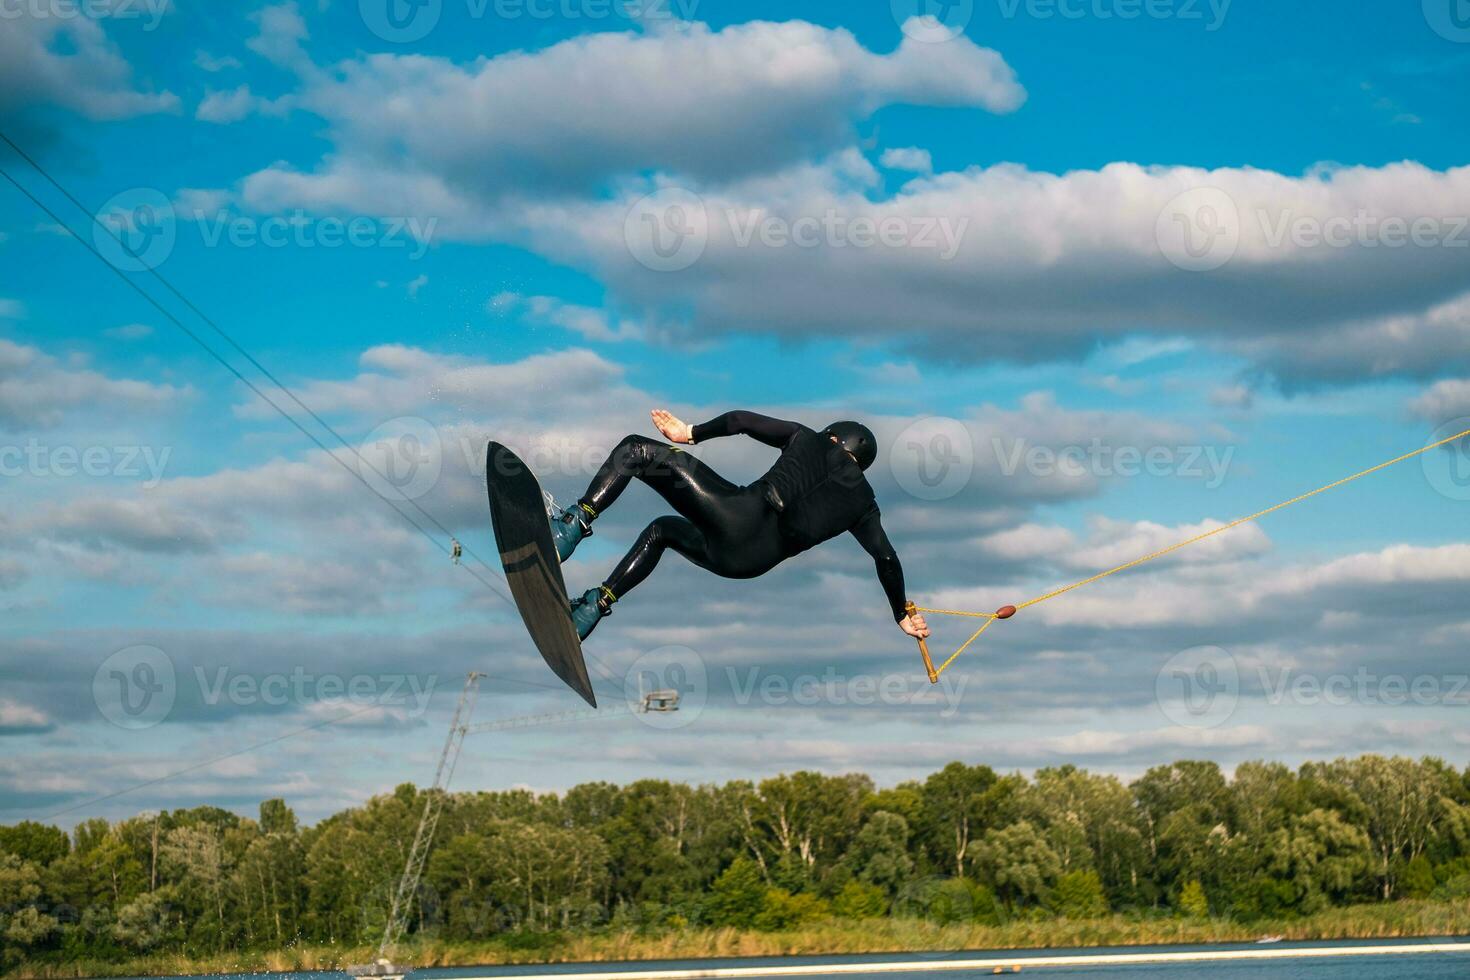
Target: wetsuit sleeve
762 428
869 533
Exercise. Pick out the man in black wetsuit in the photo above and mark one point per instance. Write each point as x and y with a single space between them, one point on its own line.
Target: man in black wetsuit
815 491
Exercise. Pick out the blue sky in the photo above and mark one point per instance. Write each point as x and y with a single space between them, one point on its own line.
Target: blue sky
497 171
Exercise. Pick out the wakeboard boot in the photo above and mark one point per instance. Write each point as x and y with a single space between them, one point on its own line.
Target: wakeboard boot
589 608
569 527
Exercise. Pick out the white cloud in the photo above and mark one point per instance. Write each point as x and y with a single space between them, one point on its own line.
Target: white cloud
208 62
37 390
69 62
129 331
235 104
911 158
571 116
1444 400
592 323
16 717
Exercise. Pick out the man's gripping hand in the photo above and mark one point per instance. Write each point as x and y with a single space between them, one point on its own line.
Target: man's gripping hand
915 626
673 429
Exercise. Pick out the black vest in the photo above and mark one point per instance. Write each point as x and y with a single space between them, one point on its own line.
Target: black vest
818 489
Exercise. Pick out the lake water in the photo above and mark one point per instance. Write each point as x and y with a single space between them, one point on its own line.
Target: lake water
1405 966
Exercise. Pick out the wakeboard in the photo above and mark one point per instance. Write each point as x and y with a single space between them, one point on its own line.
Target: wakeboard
523 534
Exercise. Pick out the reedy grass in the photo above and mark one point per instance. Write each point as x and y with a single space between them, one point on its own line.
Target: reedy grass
1398 920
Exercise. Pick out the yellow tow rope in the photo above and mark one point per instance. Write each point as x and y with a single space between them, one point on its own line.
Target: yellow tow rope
1006 612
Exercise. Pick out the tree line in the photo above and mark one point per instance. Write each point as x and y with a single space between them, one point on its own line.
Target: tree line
964 844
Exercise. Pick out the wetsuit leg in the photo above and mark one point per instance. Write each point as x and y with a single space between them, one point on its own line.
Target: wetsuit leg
692 488
664 533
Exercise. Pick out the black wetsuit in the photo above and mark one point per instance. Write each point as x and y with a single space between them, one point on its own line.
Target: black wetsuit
742 532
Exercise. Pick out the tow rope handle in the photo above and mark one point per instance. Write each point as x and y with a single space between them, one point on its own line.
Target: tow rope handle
911 610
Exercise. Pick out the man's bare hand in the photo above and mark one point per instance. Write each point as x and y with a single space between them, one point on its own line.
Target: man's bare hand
915 626
673 429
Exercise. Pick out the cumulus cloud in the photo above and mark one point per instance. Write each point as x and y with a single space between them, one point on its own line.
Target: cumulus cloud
1008 262
569 117
1444 400
912 158
1332 276
592 323
17 718
233 105
71 63
37 390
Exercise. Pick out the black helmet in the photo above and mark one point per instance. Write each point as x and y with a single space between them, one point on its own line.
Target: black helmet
857 439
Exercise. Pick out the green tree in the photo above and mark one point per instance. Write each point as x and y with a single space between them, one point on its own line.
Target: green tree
859 900
1018 863
1079 895
953 812
782 910
1193 902
35 842
737 896
879 854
